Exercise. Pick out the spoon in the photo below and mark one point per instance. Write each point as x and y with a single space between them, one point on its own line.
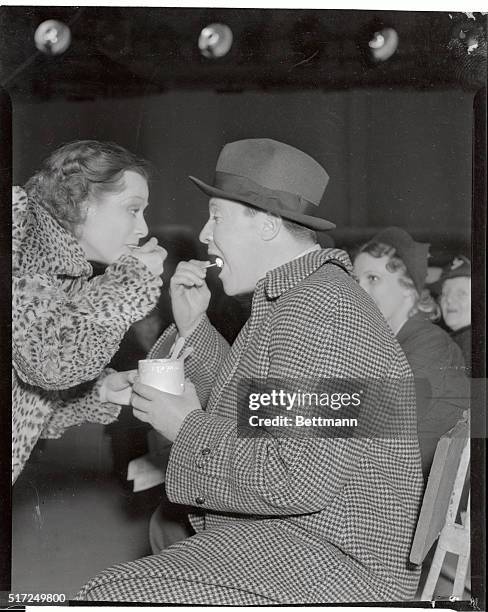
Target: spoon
186 353
177 348
218 262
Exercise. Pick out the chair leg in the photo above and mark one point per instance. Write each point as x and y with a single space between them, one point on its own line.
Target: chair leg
464 555
460 578
433 575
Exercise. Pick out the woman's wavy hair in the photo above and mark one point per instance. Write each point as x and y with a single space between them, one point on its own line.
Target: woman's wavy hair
424 302
80 170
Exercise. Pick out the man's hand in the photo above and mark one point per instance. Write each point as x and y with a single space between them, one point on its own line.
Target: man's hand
190 295
164 411
151 255
117 387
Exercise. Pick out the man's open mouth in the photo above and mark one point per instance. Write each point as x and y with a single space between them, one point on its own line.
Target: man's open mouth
216 260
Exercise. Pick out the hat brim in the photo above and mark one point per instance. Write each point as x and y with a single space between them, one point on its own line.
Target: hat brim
315 223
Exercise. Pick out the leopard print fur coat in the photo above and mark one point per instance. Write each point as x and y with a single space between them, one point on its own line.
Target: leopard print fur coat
66 327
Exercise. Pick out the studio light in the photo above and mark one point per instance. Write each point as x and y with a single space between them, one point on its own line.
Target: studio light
469 36
383 44
468 48
52 37
215 40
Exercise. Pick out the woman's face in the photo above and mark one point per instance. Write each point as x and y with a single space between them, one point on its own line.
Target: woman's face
115 220
392 298
456 302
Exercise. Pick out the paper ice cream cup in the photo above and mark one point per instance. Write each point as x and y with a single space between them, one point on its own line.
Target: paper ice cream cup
163 374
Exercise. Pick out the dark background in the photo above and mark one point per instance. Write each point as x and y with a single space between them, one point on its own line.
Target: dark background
395 137
394 157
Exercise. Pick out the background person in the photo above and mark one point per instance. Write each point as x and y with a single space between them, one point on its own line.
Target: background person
86 202
392 268
455 302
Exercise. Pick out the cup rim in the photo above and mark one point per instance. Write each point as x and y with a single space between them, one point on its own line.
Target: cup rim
165 360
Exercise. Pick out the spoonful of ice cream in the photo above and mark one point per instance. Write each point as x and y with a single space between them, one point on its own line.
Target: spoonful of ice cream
218 262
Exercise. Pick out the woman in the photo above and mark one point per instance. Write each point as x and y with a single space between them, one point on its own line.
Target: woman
86 203
392 269
455 302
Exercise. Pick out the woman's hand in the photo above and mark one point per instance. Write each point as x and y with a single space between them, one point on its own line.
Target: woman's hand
164 411
190 295
151 255
116 388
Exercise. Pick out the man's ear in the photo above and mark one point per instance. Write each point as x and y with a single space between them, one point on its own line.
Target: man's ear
270 226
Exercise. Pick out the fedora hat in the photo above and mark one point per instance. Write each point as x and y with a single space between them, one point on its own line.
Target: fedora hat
271 176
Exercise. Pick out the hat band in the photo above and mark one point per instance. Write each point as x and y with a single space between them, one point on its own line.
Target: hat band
272 200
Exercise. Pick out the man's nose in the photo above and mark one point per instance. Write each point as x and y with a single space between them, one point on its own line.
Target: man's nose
206 233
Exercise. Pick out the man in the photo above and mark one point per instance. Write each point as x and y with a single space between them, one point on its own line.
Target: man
455 301
279 518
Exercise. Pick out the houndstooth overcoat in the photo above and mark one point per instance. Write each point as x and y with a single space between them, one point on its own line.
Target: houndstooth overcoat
283 519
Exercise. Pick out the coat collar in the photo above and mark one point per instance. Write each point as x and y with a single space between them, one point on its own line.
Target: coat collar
279 280
47 248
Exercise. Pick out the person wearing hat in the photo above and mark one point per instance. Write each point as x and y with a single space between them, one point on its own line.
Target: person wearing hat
392 268
455 302
277 519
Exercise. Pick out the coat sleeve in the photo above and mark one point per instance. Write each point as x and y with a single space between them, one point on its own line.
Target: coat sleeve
61 340
82 408
269 474
203 365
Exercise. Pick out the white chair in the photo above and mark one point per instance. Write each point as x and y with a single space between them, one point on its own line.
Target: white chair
437 519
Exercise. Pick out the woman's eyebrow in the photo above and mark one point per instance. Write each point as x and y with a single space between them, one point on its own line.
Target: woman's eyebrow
134 197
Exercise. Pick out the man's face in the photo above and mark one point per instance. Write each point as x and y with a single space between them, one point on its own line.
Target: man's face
456 302
233 235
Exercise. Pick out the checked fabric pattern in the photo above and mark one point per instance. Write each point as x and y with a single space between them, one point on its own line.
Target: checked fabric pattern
281 519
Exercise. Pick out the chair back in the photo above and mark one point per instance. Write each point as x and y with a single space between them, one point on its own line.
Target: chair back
443 490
